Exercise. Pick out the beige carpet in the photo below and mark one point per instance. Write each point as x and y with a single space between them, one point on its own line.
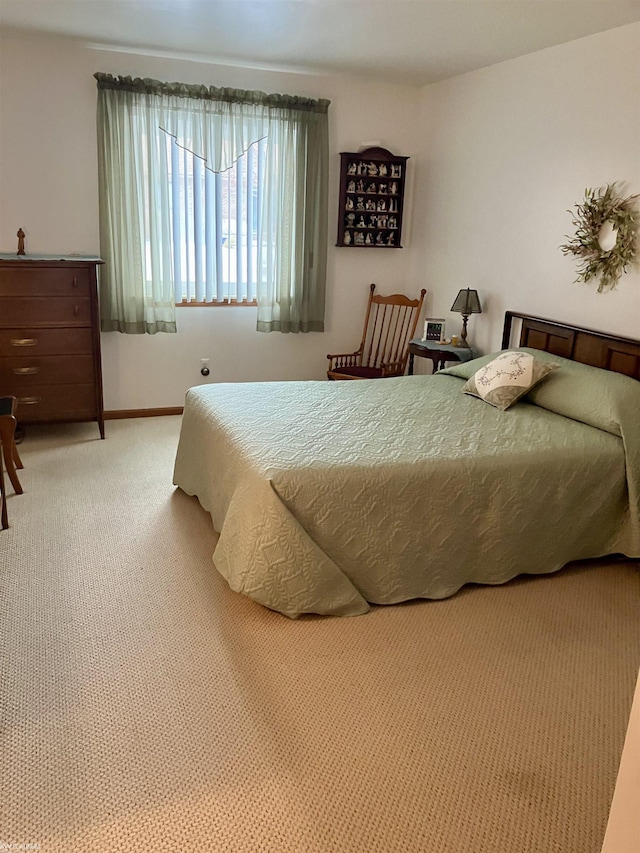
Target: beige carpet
145 707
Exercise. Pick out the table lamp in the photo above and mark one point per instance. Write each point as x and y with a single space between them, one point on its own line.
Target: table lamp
466 302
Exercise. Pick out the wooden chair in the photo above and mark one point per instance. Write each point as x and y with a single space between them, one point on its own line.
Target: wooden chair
389 325
4 518
9 457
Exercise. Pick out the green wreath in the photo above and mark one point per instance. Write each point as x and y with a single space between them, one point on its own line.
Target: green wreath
601 209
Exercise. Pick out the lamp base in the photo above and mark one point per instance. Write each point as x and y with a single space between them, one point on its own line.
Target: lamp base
463 333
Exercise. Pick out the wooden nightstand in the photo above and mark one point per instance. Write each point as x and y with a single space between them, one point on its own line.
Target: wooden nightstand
439 353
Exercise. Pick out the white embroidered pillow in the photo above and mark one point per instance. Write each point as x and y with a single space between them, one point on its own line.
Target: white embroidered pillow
503 381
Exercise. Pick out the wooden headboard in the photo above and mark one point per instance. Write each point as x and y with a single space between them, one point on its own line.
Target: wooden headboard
599 349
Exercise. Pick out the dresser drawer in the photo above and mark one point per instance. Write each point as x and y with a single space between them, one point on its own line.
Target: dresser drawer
44 281
18 374
45 311
57 403
30 342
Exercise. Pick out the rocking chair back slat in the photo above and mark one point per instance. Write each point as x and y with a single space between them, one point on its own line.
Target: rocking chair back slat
398 331
389 332
380 339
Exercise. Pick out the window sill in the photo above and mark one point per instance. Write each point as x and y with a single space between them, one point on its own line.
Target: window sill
225 304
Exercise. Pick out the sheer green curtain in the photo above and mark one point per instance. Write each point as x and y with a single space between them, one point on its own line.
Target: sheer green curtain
292 246
217 125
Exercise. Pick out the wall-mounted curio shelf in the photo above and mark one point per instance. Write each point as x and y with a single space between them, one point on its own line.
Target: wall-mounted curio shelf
371 199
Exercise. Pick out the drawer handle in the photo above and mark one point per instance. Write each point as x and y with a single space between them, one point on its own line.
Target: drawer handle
76 310
29 401
24 342
75 281
23 371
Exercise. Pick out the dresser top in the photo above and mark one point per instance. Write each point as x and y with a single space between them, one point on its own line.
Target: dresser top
24 259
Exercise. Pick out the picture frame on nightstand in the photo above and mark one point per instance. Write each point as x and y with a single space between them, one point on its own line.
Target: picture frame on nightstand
433 329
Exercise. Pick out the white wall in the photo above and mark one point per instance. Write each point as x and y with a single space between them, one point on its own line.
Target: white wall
508 150
48 186
497 158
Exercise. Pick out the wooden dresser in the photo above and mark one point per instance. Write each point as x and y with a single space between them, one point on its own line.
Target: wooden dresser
50 338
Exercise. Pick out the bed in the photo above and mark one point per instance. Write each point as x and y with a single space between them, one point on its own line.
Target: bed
333 496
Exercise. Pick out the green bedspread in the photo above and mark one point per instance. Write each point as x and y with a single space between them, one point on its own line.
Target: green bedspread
332 495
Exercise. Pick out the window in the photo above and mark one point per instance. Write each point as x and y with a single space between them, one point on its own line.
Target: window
215 222
210 196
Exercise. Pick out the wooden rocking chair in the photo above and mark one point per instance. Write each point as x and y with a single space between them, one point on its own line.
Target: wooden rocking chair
389 325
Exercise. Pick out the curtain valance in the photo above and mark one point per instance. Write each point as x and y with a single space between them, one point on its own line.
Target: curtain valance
149 86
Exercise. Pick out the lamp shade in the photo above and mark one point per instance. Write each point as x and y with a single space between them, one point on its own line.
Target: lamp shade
467 302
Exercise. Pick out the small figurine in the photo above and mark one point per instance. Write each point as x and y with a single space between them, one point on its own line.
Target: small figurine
351 169
20 235
382 171
351 187
347 238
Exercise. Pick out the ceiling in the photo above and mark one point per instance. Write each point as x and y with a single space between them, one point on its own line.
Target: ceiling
412 42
